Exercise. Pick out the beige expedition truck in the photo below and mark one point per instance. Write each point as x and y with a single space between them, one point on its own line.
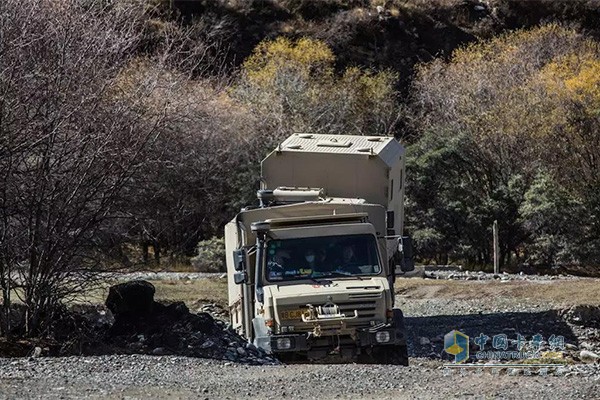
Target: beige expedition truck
311 268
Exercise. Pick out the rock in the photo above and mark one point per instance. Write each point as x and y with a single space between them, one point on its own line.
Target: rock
570 346
586 346
584 315
423 341
131 298
135 347
514 371
37 352
177 309
160 351
588 355
241 351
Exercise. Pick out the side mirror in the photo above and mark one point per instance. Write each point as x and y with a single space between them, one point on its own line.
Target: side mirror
240 277
404 257
408 264
239 259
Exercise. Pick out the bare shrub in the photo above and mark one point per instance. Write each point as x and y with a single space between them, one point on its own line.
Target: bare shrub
198 174
71 141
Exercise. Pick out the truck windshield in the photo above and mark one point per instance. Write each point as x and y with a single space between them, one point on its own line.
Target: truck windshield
323 256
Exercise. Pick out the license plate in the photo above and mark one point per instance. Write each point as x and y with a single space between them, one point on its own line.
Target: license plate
294 314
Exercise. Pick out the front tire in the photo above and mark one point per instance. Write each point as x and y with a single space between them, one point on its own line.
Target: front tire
390 355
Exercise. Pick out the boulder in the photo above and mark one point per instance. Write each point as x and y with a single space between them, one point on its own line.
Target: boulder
583 315
587 355
133 298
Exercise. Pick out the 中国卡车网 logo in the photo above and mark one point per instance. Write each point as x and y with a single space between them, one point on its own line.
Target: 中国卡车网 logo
456 343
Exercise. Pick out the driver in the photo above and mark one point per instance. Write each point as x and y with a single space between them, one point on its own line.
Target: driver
278 263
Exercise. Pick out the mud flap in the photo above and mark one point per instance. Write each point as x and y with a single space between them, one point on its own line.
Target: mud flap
399 327
262 339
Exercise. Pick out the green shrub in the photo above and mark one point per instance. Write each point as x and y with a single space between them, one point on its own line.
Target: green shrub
211 255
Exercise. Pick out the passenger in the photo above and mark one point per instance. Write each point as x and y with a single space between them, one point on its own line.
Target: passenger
348 255
348 262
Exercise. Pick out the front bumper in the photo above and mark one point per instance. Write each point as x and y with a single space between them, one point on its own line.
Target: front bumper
379 335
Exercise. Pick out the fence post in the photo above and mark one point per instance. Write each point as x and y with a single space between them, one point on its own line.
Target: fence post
496 248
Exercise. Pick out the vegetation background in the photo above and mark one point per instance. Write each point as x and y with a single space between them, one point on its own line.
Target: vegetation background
131 131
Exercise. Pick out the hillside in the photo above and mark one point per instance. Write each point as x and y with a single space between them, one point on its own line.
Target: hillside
379 34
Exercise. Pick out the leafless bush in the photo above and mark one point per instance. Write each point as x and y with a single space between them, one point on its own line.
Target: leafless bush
71 142
195 180
196 48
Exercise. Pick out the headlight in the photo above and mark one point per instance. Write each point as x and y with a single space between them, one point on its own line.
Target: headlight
283 343
382 337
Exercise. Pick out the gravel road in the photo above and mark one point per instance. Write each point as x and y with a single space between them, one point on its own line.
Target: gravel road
122 377
428 318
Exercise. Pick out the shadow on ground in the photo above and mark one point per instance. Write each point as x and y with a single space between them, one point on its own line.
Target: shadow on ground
527 324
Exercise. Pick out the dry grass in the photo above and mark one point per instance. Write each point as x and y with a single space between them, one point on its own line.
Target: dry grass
568 292
214 290
209 290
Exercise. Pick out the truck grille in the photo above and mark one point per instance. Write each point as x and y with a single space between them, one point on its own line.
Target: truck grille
366 308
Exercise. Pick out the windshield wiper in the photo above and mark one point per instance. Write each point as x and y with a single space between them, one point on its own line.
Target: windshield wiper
320 280
343 274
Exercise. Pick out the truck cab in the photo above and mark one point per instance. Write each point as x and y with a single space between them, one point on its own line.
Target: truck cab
311 269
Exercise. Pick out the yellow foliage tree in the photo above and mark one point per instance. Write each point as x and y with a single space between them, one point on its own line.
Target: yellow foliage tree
525 98
575 76
309 58
508 131
293 86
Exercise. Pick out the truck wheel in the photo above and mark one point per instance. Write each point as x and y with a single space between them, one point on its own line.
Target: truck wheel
399 356
392 355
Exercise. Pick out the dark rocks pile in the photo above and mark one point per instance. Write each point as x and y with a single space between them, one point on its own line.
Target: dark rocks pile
144 326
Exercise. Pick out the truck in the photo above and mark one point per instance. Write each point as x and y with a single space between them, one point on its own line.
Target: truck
311 267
